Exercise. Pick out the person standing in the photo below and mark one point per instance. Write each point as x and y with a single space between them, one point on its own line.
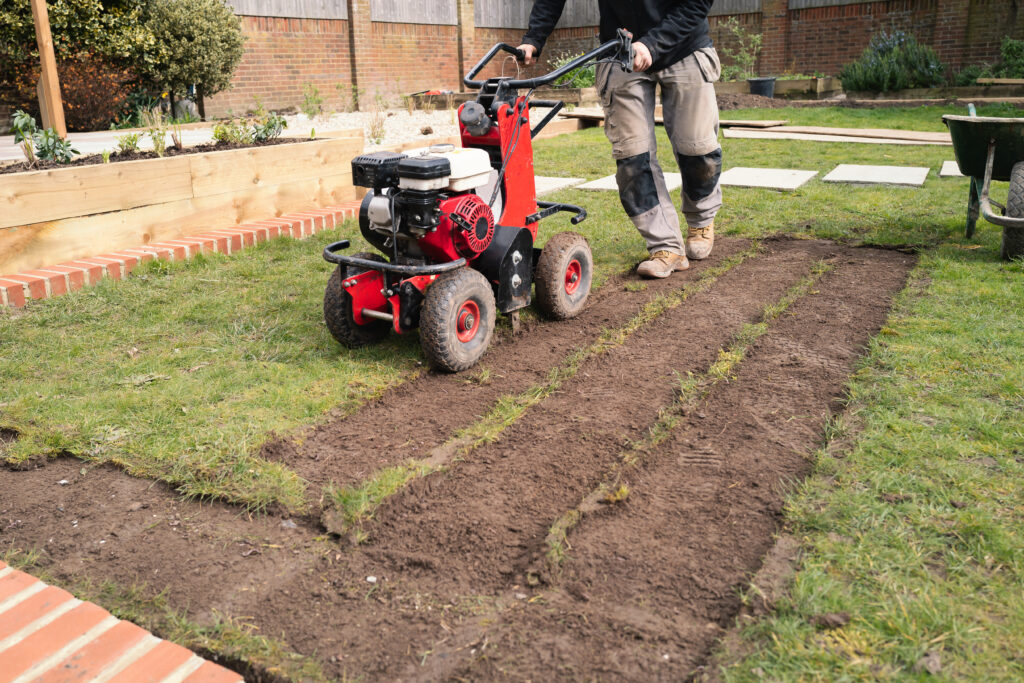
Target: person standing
673 50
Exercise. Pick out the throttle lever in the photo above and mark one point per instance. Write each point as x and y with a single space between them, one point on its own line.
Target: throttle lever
625 52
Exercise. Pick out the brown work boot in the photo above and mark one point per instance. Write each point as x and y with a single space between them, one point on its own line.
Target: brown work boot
699 242
662 264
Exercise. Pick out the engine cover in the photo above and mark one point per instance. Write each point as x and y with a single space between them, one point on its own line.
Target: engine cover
466 229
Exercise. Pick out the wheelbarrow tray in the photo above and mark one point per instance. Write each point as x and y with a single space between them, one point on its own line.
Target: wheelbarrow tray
972 136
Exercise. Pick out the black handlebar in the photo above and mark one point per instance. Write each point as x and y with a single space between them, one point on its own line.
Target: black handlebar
621 48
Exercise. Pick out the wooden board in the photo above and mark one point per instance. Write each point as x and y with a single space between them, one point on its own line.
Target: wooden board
772 134
65 192
1001 81
256 167
880 133
732 123
32 246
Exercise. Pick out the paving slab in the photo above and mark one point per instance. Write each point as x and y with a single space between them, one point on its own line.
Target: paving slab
878 175
673 181
546 184
770 178
63 639
950 169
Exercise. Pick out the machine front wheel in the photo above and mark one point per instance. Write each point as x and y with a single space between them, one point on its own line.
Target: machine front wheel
338 310
457 320
564 273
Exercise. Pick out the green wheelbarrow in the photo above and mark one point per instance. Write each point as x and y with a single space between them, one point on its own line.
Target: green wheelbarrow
988 149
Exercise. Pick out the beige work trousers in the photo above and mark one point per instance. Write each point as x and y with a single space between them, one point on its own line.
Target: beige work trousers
690 112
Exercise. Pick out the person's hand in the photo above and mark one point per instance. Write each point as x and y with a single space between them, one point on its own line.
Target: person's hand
529 54
642 59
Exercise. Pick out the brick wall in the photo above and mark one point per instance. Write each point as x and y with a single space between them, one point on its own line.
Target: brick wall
282 56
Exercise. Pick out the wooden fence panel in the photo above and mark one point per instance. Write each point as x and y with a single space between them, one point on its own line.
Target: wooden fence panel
294 9
516 13
442 12
724 7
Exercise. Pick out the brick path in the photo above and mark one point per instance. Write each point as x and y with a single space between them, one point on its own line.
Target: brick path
48 635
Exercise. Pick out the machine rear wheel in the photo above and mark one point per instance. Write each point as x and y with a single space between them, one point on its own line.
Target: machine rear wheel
457 320
564 273
338 310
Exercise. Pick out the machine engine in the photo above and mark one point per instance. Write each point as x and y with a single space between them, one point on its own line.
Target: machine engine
423 205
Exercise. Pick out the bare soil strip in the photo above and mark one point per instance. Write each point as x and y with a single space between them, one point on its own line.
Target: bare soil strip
651 583
414 417
644 579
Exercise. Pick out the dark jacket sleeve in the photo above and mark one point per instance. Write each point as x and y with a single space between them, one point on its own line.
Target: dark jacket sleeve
543 17
682 20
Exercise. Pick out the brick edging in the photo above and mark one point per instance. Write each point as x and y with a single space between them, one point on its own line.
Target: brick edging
44 282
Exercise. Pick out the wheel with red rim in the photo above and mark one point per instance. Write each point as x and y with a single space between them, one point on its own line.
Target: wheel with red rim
564 273
457 320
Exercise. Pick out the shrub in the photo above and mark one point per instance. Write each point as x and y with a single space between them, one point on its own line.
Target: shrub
894 61
577 78
200 42
739 63
1011 64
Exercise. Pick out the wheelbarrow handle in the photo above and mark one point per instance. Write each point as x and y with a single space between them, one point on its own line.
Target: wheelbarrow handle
986 206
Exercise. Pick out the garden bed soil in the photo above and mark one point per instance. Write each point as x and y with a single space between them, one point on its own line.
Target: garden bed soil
115 157
648 584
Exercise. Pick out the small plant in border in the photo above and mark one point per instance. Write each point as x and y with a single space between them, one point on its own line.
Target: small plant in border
128 143
268 127
40 145
312 101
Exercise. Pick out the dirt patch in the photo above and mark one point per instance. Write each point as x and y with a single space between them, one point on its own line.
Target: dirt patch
655 580
439 590
416 416
116 157
730 101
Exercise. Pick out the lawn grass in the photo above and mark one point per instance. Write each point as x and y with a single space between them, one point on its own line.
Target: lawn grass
182 371
916 528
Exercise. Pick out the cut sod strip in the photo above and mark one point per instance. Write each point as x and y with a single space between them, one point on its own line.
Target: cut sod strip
691 390
350 506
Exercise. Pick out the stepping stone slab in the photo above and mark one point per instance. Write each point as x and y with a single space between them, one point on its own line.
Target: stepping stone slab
878 175
950 169
545 184
770 178
673 181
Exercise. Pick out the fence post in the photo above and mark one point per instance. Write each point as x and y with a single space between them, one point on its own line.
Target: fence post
467 38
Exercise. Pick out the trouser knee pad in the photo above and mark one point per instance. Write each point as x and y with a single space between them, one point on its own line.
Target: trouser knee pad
700 173
637 190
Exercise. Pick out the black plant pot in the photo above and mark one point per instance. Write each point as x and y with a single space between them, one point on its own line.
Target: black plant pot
762 86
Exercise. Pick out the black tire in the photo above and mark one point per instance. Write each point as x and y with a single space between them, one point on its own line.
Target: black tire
338 310
450 340
564 273
1013 238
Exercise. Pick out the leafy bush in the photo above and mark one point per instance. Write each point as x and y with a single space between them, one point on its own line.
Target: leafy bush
312 101
577 78
200 42
1012 63
739 63
894 61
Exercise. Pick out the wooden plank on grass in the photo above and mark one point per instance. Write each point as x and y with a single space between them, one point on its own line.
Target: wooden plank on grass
77 191
1001 81
731 123
216 173
32 246
772 134
880 133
